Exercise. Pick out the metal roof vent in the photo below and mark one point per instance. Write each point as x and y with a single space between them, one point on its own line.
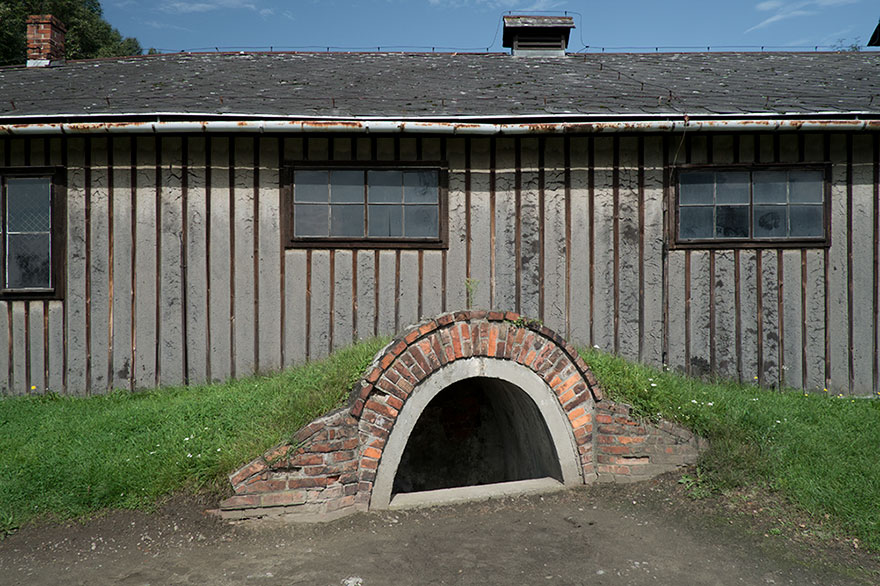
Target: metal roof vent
537 36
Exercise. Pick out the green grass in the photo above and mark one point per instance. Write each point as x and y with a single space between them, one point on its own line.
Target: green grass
822 453
64 457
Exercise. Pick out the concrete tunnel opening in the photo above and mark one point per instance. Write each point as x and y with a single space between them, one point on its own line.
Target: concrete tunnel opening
477 431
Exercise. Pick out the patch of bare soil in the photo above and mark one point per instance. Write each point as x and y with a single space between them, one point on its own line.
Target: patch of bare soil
646 533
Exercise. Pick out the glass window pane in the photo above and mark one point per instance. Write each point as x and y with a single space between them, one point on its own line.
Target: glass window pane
421 221
385 221
770 221
732 187
770 186
696 222
696 188
27 258
28 204
806 186
385 186
806 221
347 221
310 186
346 186
732 222
420 186
310 220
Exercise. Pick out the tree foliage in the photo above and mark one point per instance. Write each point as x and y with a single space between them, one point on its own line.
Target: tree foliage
88 34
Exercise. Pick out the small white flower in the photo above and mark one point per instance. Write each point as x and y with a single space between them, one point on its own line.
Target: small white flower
694 401
653 384
218 449
186 439
777 421
596 346
710 404
189 455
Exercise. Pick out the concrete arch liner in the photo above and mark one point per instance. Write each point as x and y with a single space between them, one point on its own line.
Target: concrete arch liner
520 376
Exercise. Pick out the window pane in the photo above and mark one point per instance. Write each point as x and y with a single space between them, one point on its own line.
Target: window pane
732 187
732 222
806 186
27 257
696 188
310 186
346 186
385 186
770 186
806 221
385 221
310 220
27 204
421 221
696 222
420 186
770 221
347 221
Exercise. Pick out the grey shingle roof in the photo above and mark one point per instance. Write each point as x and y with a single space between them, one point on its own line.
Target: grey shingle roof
443 85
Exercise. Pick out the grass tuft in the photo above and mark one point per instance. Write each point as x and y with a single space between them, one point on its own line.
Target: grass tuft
64 457
818 451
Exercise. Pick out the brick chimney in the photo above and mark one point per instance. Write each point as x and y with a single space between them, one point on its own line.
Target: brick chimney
45 40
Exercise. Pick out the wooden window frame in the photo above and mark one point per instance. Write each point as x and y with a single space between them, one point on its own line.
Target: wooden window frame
751 242
287 207
57 233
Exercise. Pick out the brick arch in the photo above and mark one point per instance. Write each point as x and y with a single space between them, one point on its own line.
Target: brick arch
330 466
415 357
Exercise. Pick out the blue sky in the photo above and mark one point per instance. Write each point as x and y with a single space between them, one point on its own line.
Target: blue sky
175 25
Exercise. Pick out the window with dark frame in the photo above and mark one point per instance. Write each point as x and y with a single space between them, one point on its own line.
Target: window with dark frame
28 247
366 206
768 205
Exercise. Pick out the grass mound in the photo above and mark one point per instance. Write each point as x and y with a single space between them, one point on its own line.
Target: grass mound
818 451
64 457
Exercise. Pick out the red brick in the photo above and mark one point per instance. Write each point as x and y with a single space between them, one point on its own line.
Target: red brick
241 502
412 336
307 460
244 473
282 499
511 316
357 408
368 464
565 398
603 418
580 421
271 485
438 350
445 319
343 455
294 483
428 327
617 450
464 333
570 382
381 408
372 453
495 316
492 340
574 414
625 439
394 402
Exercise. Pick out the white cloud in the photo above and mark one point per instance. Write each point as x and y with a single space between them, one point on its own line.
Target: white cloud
502 4
183 7
788 10
769 5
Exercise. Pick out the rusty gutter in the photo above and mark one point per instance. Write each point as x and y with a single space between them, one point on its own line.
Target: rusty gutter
456 128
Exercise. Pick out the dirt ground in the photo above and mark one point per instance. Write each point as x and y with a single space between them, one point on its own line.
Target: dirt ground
647 533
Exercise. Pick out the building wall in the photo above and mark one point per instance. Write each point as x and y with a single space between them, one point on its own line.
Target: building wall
176 271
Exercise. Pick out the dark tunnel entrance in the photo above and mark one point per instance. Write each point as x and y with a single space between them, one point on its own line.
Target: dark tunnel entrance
477 431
